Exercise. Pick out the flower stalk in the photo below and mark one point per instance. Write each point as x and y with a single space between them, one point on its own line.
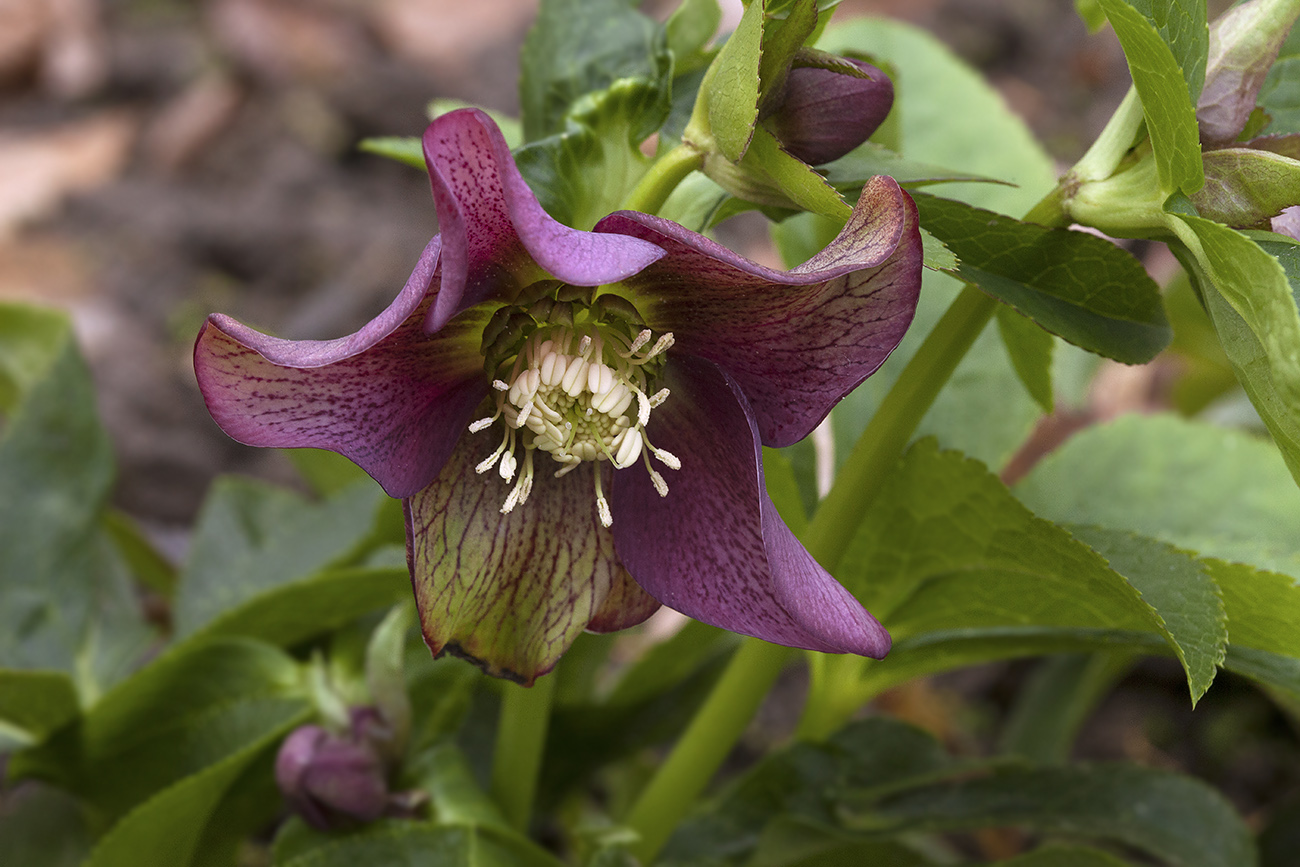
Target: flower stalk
521 737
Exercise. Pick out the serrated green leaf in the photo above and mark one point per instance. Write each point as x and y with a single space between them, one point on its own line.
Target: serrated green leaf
187 710
168 828
1219 492
1280 95
41 826
36 701
1078 286
730 88
1172 817
585 172
1183 26
1167 98
1030 350
578 47
1179 588
252 537
1245 187
795 178
782 37
1251 299
946 547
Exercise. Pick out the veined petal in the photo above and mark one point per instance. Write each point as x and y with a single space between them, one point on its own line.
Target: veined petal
496 235
389 397
715 548
625 606
796 341
508 592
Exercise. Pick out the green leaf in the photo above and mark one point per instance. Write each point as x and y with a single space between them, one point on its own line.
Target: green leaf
1261 608
169 827
946 552
689 29
1091 13
289 613
1172 817
1245 187
252 537
801 783
149 566
37 702
66 601
795 178
578 47
1250 293
782 37
1280 94
1183 27
41 826
1065 856
189 709
586 171
1181 591
1219 492
1076 285
403 149
730 89
1167 89
1030 350
1056 700
851 171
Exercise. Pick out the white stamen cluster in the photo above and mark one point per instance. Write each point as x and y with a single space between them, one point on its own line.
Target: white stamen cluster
569 394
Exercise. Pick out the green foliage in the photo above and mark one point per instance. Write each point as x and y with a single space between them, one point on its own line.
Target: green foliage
1075 285
1030 349
1280 94
41 826
253 538
580 47
878 780
1168 89
66 601
731 89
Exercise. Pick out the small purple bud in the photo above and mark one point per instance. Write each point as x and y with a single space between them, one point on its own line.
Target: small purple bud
331 781
825 113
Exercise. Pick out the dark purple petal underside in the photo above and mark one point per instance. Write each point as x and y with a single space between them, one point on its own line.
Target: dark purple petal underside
389 397
496 235
715 548
508 592
797 341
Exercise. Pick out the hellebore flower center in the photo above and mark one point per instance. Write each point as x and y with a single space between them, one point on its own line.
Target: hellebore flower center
575 379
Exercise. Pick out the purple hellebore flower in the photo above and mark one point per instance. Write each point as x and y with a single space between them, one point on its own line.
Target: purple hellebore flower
332 781
825 112
518 338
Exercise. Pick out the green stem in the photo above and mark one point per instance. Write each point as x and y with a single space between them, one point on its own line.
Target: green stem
521 735
662 178
706 742
1116 138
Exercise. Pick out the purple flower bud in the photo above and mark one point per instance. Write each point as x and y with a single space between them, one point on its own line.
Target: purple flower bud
826 112
331 781
1244 42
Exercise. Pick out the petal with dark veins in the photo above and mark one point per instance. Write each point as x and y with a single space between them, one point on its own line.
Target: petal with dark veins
715 548
508 592
497 236
389 397
796 341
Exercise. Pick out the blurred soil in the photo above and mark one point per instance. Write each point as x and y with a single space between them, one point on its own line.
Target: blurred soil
163 159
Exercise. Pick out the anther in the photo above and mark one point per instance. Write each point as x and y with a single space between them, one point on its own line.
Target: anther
499 385
658 397
664 342
482 424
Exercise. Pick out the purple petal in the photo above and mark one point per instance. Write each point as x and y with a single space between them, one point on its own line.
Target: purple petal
797 341
508 592
715 548
389 397
496 235
626 605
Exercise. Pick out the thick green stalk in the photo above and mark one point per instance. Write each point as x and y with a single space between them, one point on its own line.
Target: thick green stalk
663 176
521 735
705 744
